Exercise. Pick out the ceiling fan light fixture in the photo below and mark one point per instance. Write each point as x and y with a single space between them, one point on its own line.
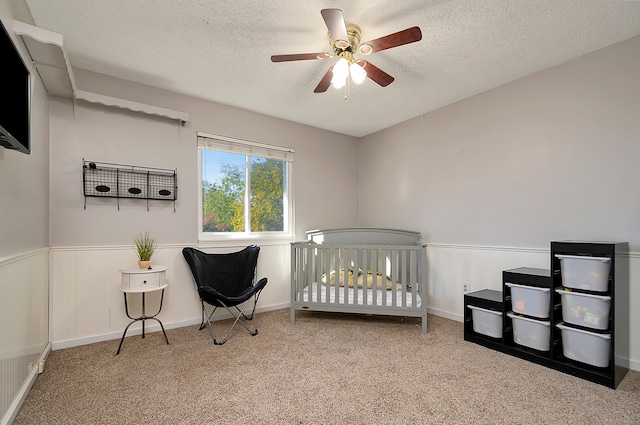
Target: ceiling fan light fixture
358 74
338 84
340 73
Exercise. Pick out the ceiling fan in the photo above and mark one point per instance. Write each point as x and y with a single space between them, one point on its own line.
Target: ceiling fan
344 39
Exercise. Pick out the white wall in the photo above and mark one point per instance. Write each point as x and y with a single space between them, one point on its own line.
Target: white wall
488 172
24 243
325 176
90 246
490 181
552 156
24 191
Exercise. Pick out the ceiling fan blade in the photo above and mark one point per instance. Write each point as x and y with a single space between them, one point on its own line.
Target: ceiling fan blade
377 75
336 25
324 84
400 38
299 57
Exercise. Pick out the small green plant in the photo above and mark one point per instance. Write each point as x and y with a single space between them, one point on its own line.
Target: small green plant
145 246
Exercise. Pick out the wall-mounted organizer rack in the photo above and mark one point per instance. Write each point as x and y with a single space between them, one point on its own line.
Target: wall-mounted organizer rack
573 317
106 180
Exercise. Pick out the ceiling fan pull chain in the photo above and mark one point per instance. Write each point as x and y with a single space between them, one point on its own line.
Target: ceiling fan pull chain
346 89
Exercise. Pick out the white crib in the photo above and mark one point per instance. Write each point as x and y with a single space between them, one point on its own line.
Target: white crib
360 270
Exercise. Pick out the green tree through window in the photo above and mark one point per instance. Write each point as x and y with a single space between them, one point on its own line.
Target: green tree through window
223 200
239 182
267 194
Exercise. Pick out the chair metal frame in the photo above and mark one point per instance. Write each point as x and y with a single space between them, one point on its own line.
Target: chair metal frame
252 317
211 296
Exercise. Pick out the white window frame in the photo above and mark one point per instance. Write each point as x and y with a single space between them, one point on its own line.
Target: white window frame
244 147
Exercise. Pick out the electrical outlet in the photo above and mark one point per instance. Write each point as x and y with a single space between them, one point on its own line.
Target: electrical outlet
466 287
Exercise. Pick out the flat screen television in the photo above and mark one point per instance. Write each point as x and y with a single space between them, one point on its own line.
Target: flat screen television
15 97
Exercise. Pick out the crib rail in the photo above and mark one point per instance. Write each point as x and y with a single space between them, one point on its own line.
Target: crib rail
373 279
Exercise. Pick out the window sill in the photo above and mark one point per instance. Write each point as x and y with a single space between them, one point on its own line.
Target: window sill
244 239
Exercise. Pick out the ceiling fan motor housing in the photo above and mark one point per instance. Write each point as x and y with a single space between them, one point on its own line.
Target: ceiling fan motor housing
354 34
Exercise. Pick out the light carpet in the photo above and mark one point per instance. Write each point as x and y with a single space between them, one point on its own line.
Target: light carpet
324 369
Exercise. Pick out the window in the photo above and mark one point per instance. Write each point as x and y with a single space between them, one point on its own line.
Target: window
245 188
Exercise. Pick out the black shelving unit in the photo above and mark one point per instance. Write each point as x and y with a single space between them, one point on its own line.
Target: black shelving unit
106 180
618 290
487 299
531 277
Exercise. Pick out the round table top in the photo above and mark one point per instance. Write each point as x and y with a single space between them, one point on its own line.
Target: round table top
153 269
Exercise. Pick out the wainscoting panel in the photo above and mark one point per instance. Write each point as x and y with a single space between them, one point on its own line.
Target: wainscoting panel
450 266
24 326
88 305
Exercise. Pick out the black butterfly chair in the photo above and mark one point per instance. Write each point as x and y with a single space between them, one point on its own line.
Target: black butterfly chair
226 280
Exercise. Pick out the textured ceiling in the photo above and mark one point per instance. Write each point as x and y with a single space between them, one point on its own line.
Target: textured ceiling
220 50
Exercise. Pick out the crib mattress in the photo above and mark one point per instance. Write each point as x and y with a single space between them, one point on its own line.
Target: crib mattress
357 296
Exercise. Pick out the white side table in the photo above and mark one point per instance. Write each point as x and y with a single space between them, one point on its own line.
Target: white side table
141 281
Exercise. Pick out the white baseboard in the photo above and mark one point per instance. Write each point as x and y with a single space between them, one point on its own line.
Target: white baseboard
59 345
445 314
625 362
15 405
150 327
631 364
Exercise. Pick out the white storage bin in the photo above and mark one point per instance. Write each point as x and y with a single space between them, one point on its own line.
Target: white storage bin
530 300
591 311
583 272
486 322
531 333
584 346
